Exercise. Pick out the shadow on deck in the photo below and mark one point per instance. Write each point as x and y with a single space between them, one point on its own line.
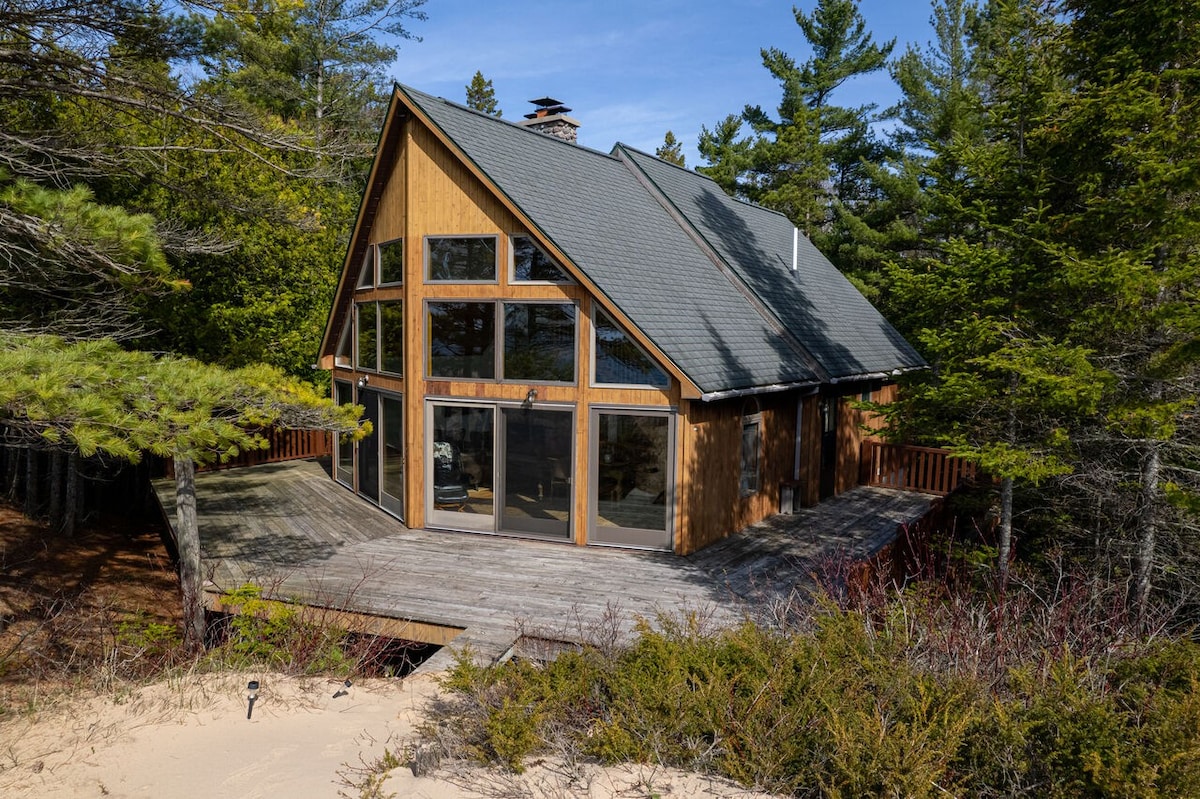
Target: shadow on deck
291 529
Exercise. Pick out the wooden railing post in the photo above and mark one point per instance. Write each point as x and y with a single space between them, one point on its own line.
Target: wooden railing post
926 469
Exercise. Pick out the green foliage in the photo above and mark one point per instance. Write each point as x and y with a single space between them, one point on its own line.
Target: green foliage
95 397
153 638
858 705
811 159
278 636
671 150
481 95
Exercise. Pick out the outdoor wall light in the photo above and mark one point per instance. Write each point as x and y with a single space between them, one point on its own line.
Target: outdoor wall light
531 396
362 381
251 695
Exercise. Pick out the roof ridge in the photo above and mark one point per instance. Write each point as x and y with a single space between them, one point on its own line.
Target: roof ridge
724 267
694 172
459 106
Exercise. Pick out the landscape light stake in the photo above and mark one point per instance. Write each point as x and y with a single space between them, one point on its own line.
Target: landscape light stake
251 695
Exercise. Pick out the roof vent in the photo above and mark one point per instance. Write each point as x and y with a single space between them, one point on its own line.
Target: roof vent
550 117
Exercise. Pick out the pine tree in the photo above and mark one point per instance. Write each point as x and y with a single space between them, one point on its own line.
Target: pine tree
1125 148
93 397
481 95
671 150
811 158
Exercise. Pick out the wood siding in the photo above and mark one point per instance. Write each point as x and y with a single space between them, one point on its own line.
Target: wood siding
710 436
424 169
851 434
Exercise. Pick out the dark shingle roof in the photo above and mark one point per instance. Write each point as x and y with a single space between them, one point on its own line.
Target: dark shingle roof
600 213
816 303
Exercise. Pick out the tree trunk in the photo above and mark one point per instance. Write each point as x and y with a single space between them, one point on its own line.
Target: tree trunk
13 476
187 542
1147 528
1004 533
72 499
57 476
31 485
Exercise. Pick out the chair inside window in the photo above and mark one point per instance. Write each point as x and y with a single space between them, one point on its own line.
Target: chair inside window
450 482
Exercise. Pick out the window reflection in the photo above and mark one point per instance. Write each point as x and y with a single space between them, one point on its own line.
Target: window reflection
539 342
461 339
462 258
632 478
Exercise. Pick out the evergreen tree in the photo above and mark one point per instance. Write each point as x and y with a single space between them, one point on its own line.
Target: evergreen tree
810 159
1124 234
481 96
671 150
93 398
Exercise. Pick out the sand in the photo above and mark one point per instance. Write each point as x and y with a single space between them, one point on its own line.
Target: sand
190 738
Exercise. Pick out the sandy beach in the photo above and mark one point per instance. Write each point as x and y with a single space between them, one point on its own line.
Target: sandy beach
190 737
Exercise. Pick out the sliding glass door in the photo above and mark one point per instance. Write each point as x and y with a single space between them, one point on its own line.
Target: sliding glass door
459 466
499 468
537 470
632 480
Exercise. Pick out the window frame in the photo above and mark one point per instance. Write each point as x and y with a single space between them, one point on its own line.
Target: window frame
379 249
428 348
498 339
595 359
426 251
750 484
367 271
502 349
358 331
512 264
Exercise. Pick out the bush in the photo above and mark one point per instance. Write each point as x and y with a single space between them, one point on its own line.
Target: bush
279 636
865 701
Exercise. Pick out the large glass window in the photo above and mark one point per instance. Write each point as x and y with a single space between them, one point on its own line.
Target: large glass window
462 338
391 337
461 258
368 356
392 495
343 394
391 262
539 342
530 264
620 361
631 486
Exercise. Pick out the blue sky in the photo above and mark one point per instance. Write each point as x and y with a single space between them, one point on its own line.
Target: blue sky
630 71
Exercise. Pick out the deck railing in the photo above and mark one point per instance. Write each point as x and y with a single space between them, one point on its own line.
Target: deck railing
926 469
285 445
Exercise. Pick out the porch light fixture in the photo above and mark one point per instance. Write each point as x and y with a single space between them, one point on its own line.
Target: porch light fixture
251 695
530 396
362 381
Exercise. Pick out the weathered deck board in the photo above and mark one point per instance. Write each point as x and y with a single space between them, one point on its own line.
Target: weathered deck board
291 529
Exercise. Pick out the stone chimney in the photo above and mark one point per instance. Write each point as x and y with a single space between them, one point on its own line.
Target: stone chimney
551 119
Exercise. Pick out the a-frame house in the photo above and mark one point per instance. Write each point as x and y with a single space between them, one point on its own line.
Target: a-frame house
598 348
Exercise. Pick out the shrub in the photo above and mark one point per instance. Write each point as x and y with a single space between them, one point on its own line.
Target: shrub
859 702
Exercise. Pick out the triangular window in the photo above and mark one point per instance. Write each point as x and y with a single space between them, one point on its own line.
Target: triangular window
532 265
620 361
366 275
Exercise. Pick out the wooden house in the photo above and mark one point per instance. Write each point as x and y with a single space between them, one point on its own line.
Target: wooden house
599 348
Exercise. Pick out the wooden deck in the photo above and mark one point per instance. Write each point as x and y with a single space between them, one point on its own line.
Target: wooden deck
291 529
